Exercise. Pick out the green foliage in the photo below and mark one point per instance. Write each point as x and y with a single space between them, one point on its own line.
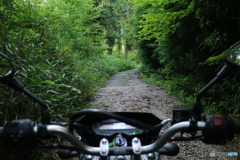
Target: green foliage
58 50
161 18
114 19
177 85
63 87
109 20
215 60
183 42
229 101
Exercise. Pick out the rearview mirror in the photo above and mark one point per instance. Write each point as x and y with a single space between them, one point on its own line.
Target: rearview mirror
233 61
233 55
6 68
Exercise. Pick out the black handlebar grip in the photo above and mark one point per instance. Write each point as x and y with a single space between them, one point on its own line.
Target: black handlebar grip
66 154
236 128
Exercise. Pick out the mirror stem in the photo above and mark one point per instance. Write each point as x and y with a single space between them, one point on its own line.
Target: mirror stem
45 112
222 73
15 84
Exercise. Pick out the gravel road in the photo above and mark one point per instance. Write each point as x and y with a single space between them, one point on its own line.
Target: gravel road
126 91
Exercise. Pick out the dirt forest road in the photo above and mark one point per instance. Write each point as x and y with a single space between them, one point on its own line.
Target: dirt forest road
126 91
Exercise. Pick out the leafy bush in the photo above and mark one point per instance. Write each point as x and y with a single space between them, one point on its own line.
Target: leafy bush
63 84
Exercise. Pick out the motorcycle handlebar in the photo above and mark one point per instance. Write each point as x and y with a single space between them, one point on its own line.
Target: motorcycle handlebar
63 132
159 143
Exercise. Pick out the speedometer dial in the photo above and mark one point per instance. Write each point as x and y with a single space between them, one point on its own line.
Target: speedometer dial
111 127
116 125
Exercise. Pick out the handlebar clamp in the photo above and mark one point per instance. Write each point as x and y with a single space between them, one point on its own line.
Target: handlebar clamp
193 125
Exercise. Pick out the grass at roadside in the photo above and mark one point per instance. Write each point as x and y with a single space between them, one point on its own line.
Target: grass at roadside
186 89
171 87
64 84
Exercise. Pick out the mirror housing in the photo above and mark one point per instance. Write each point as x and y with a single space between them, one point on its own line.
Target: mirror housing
233 55
7 73
7 70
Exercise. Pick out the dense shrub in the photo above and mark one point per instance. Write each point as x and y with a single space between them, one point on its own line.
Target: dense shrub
63 84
